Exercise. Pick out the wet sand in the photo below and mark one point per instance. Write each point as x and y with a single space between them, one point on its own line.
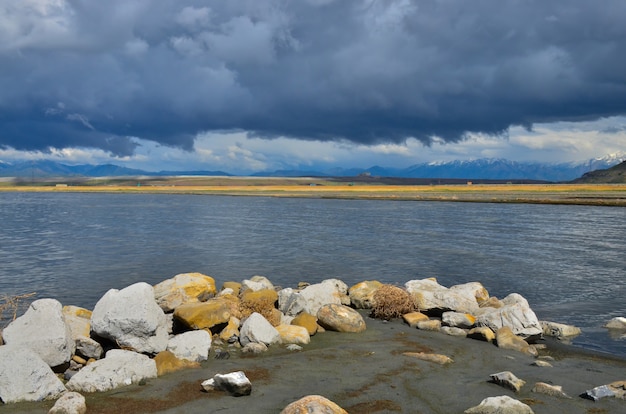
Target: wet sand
368 373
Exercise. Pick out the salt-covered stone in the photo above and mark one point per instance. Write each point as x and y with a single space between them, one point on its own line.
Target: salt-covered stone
78 319
69 403
619 322
235 383
475 289
559 330
507 340
291 302
43 330
256 283
430 357
184 288
330 291
453 331
293 334
313 404
131 318
458 319
257 329
500 405
340 318
25 376
515 313
88 347
254 348
548 389
507 379
362 294
192 345
597 393
119 368
432 297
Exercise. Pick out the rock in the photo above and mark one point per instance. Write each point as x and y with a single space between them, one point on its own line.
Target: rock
291 302
263 302
313 404
330 291
184 288
43 330
507 340
307 321
500 405
257 329
559 330
88 348
78 319
436 358
492 302
205 315
235 286
413 318
293 334
541 363
431 297
119 368
294 347
231 329
430 325
235 383
482 333
254 348
131 318
597 393
475 289
515 313
167 362
618 322
458 320
256 283
69 403
362 294
619 388
452 331
552 390
25 376
192 345
340 318
507 379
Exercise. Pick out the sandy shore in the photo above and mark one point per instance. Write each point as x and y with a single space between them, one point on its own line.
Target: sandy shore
368 373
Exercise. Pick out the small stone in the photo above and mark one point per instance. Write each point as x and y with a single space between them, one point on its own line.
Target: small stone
69 403
294 348
619 322
79 360
603 391
552 390
500 405
429 325
436 358
235 383
507 379
454 331
540 363
458 319
254 348
559 330
313 404
482 333
413 318
619 388
506 339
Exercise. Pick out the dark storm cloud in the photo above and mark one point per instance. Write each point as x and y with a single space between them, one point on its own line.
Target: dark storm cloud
94 74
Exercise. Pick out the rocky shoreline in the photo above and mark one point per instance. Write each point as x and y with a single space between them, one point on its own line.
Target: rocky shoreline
184 345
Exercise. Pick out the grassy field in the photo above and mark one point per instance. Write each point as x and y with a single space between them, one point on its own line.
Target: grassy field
583 194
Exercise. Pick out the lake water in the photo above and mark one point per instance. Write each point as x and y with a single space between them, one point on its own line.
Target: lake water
568 261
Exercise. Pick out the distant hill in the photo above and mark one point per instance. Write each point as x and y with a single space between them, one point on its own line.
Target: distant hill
613 175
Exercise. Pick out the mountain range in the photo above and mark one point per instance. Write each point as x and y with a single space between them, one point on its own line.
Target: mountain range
485 168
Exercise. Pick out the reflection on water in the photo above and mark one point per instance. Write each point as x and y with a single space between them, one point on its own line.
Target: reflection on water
567 261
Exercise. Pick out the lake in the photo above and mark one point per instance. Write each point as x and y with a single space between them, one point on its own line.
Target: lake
569 262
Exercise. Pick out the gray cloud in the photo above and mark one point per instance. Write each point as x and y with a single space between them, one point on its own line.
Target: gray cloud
96 74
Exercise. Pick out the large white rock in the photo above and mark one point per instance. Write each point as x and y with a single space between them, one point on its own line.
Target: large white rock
291 302
43 330
131 318
24 376
329 291
515 313
430 296
257 329
256 283
192 345
119 368
500 405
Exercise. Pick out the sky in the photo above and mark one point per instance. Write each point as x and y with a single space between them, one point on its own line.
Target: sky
261 85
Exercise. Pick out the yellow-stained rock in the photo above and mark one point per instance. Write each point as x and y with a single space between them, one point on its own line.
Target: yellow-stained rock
492 302
293 334
413 318
167 362
204 314
506 339
306 320
362 294
264 296
231 329
429 325
340 318
235 286
483 333
184 288
79 360
78 319
424 356
313 404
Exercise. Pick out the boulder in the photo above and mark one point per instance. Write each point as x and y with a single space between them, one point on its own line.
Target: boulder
548 389
330 291
413 318
78 319
619 322
205 315
167 362
559 330
482 333
131 318
426 356
508 380
231 329
88 348
313 404
119 368
515 313
505 339
235 383
257 329
192 345
256 283
458 320
293 334
43 330
340 318
500 405
475 289
291 302
431 297
69 403
362 294
184 288
306 320
25 376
